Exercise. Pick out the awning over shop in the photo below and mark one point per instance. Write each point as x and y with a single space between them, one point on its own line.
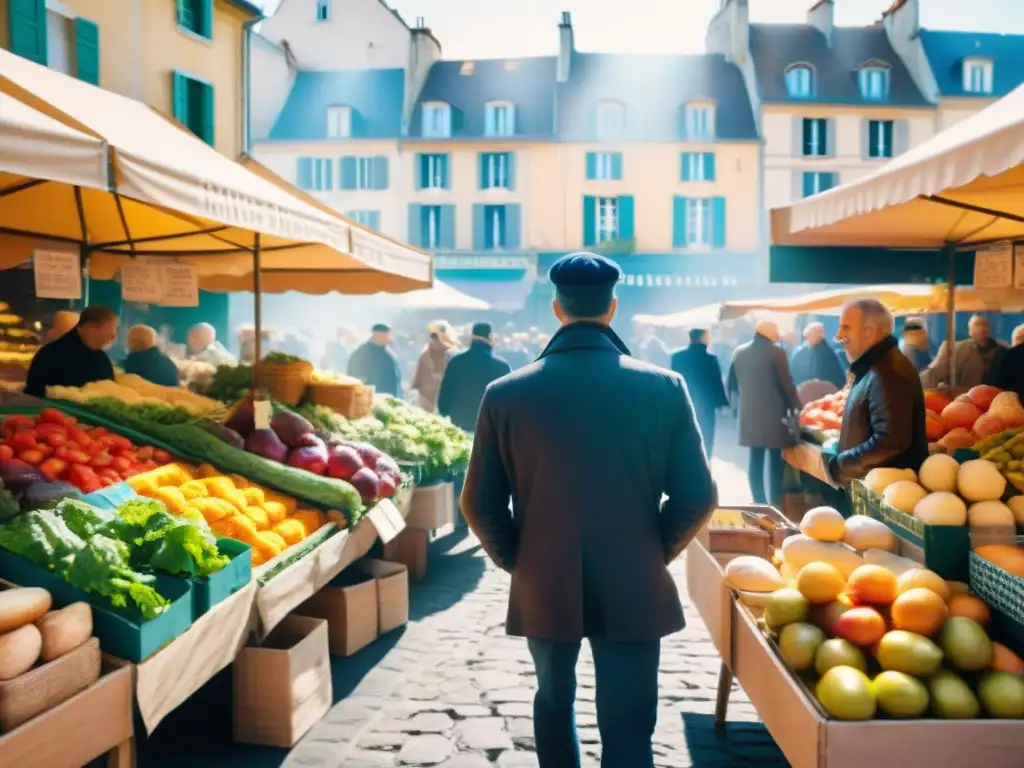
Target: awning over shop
963 186
697 317
438 296
505 295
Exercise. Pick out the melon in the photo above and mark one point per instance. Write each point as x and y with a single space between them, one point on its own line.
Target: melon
823 524
904 495
862 532
935 400
941 509
983 395
938 473
960 414
980 480
752 574
991 519
934 427
800 550
880 478
1016 505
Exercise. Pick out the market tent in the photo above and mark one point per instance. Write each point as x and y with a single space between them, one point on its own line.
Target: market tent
962 186
440 296
689 318
177 196
917 298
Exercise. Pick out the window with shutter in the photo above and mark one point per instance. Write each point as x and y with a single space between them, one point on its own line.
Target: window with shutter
27 27
195 16
815 137
499 119
194 106
87 51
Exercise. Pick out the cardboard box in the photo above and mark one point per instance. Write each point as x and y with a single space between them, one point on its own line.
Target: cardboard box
431 507
349 606
283 687
74 733
392 593
410 548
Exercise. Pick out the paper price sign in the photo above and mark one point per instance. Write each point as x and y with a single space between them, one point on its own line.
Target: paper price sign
181 286
142 282
58 275
993 266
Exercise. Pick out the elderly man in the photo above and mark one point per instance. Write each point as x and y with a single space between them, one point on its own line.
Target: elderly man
466 377
376 364
145 358
814 360
77 357
972 358
586 443
883 423
63 321
759 374
204 347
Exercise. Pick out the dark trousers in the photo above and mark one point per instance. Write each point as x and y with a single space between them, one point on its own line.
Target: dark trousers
755 474
627 702
706 423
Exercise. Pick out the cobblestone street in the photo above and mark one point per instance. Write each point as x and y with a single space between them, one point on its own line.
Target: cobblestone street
455 691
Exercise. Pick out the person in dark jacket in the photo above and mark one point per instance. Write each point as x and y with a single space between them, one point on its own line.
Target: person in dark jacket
815 360
145 358
884 418
77 357
914 343
1008 367
586 442
375 364
703 376
466 377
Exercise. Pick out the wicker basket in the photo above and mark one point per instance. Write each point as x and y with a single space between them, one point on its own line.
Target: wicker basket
286 382
353 400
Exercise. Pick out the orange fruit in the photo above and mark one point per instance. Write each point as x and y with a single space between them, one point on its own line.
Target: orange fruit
873 584
969 606
1005 660
919 610
861 626
922 577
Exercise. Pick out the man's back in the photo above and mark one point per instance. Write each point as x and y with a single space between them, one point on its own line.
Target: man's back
465 378
586 441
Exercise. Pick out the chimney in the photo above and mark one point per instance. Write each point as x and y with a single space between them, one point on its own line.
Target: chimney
823 16
729 31
565 47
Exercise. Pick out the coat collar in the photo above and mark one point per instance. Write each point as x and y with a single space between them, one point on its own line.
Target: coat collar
585 335
863 364
481 347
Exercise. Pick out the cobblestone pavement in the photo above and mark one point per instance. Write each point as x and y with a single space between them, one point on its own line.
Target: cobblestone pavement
456 692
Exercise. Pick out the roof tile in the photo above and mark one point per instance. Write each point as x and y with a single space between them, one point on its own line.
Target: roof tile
947 50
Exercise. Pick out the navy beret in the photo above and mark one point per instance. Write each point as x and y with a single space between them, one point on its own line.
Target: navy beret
380 328
584 270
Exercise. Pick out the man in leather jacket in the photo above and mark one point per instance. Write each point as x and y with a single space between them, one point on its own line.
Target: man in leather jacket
884 419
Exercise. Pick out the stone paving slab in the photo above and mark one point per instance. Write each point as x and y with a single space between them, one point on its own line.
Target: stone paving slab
456 692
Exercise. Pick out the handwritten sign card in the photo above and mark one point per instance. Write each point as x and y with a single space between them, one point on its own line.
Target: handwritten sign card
993 266
181 286
142 281
58 275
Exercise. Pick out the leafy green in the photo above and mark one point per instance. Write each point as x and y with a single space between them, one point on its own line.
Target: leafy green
84 519
8 504
41 537
168 543
141 415
230 383
101 567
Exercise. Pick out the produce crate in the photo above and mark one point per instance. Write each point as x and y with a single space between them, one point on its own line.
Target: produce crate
945 549
121 631
214 589
996 586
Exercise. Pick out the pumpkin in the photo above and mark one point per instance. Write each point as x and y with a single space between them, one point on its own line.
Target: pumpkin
987 425
935 400
933 426
983 395
941 508
980 480
960 413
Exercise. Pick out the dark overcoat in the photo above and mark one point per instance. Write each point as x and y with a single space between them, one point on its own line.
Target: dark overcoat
703 376
377 367
760 373
586 442
465 378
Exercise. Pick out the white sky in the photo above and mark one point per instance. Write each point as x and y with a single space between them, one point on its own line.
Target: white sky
499 28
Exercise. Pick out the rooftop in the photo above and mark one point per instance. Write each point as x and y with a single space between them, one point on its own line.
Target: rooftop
947 50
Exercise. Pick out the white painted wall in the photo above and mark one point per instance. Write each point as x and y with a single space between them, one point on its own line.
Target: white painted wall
272 78
360 34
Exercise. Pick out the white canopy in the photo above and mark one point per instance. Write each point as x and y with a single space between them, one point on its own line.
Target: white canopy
698 317
439 296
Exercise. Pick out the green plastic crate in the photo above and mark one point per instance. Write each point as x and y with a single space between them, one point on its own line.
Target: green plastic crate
946 548
121 632
217 588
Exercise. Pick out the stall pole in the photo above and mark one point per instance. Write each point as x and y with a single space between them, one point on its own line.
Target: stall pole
951 312
257 287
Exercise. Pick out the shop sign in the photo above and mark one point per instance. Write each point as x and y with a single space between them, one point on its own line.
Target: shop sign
58 274
993 266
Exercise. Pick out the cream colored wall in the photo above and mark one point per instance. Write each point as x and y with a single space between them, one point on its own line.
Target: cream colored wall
282 158
952 111
782 159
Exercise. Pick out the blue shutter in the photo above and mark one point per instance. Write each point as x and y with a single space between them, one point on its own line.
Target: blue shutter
589 220
327 167
513 227
447 233
180 98
625 217
678 222
208 126
415 233
87 51
443 160
204 24
380 173
484 159
617 166
510 170
684 173
348 173
808 183
718 222
304 173
709 166
479 227
421 171
591 166
375 220
27 27
489 121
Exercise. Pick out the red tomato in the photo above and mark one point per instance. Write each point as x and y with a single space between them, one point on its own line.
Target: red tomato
146 452
162 456
120 463
100 460
94 448
51 416
49 428
78 457
106 482
23 441
52 469
6 453
61 452
97 432
57 439
46 450
120 443
18 422
79 436
32 456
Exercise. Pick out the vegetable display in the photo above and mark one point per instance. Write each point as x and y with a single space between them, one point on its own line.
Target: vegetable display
981 413
135 390
232 506
825 413
229 383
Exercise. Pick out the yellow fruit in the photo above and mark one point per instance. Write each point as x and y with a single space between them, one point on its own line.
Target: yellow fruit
922 577
919 610
900 695
846 694
820 582
873 584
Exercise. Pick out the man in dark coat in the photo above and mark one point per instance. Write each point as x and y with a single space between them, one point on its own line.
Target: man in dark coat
760 376
375 364
145 358
814 360
466 377
703 375
884 418
586 442
78 357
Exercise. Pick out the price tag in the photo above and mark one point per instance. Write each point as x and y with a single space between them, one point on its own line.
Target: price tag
141 281
58 275
386 519
993 266
262 411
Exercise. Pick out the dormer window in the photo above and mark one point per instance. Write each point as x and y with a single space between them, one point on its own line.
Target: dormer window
800 81
874 81
437 120
697 122
339 122
978 75
500 119
611 120
323 10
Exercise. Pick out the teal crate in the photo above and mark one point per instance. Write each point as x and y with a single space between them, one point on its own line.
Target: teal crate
217 588
946 548
121 632
1000 589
